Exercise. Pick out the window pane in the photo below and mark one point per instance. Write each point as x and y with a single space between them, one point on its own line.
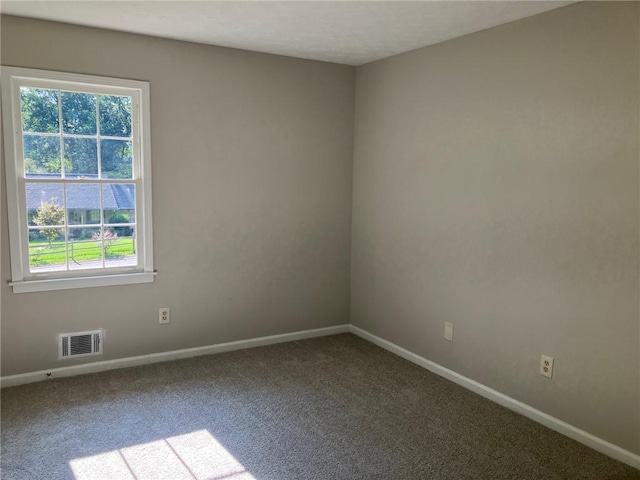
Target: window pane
39 110
121 249
45 214
79 113
83 203
41 156
116 159
85 248
81 157
120 221
45 204
120 208
115 116
47 254
119 202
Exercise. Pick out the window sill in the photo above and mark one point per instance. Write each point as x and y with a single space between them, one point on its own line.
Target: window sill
29 286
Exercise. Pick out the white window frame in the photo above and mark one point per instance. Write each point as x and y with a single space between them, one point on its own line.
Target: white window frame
24 281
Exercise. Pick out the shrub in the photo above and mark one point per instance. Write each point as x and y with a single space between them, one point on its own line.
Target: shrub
121 217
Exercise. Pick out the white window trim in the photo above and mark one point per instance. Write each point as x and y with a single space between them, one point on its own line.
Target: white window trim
22 280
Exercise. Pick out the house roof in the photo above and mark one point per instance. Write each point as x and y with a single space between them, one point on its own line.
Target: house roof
82 196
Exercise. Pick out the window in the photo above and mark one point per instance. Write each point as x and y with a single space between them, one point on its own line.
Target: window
77 156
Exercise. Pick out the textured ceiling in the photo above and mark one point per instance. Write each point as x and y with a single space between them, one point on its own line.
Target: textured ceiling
348 32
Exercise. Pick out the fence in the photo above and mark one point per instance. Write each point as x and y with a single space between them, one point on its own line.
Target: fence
80 250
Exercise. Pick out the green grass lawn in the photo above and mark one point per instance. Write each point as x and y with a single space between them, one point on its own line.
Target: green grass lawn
40 253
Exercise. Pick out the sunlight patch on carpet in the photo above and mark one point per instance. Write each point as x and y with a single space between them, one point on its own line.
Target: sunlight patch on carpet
196 455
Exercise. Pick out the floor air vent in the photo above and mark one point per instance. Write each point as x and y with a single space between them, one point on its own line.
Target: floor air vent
81 344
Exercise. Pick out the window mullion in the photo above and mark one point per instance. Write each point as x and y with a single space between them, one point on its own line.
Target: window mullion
98 150
61 130
101 181
42 134
64 185
102 222
66 229
99 153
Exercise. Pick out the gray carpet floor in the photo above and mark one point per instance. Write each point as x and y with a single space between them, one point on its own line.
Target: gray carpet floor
329 408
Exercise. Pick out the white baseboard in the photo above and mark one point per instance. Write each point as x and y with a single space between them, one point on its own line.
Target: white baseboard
548 421
553 423
13 380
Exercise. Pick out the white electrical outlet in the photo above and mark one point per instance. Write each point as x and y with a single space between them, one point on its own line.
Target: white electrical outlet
448 331
164 315
546 366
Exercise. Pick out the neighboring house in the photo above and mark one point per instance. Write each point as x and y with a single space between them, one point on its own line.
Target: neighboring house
83 200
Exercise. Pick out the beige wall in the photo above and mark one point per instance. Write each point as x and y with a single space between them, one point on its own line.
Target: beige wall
252 161
496 187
